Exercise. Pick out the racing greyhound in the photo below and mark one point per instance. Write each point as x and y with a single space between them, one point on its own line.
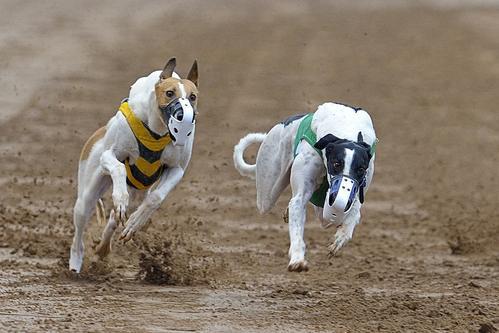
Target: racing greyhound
143 151
328 157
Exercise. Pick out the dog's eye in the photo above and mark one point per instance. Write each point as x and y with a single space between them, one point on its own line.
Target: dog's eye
192 97
361 170
336 165
169 94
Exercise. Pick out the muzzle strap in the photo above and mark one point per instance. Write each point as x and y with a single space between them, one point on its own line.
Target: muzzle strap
361 190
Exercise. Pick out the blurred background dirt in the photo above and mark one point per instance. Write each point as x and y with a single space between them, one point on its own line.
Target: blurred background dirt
425 257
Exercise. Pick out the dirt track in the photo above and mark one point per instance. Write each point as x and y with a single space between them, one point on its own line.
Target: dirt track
424 259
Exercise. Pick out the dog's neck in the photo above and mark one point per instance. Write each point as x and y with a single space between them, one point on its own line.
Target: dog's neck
142 101
149 116
343 121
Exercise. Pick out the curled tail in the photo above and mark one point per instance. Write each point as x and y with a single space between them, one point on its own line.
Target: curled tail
245 169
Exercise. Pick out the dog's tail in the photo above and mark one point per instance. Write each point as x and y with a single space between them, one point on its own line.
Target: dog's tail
245 169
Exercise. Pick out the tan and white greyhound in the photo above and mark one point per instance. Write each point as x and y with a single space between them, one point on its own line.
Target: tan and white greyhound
142 152
327 157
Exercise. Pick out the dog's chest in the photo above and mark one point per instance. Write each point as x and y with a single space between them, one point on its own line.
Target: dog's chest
146 169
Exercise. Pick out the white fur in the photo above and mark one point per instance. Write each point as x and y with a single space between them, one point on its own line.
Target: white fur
104 168
348 161
244 168
183 94
276 167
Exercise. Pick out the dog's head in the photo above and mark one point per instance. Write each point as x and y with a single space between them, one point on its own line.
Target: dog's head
346 163
177 101
345 157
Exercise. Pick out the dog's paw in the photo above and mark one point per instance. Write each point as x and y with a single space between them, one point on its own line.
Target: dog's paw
297 262
120 200
300 266
341 237
103 250
134 223
128 233
333 249
75 263
76 256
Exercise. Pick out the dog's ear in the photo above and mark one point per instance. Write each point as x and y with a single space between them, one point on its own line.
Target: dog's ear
327 139
193 73
169 67
360 138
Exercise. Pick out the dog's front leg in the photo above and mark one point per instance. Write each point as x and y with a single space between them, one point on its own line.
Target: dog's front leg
345 231
117 171
304 173
152 202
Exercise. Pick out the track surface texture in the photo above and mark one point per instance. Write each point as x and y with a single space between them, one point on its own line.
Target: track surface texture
425 257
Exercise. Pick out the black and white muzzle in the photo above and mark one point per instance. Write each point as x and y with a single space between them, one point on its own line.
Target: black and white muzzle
179 116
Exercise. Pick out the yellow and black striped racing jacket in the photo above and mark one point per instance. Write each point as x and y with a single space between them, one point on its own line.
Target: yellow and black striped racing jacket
147 168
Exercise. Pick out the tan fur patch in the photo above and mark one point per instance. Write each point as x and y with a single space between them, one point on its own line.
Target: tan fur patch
190 88
99 134
171 84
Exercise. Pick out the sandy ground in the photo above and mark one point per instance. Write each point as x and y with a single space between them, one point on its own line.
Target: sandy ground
424 259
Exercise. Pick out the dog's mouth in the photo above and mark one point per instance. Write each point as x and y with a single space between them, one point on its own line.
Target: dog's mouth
339 200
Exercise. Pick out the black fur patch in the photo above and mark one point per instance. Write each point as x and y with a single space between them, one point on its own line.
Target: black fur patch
289 120
335 156
349 106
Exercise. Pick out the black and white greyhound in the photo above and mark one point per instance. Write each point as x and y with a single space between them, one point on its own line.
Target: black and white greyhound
328 157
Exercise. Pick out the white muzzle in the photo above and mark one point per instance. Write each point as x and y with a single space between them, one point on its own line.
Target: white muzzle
339 200
179 115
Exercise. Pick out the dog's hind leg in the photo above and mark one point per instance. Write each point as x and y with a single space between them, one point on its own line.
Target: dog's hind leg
105 244
104 247
83 209
273 167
